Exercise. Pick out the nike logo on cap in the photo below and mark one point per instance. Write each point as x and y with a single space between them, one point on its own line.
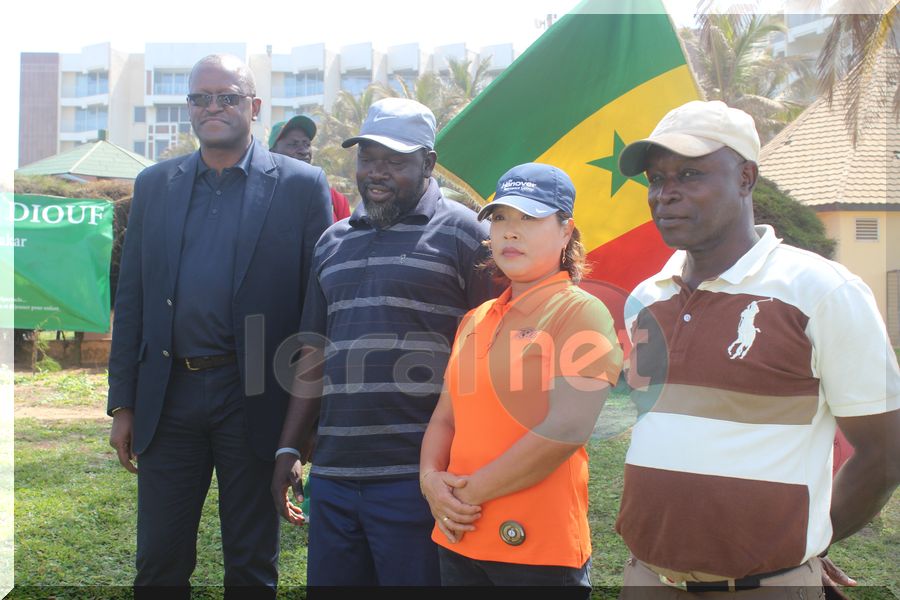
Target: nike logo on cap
383 117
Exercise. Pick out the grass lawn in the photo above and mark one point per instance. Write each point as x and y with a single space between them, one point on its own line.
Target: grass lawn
75 506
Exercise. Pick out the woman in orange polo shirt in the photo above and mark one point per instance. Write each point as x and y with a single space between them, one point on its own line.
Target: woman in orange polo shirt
503 464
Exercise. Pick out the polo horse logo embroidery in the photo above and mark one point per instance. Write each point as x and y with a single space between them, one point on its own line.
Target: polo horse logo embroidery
746 331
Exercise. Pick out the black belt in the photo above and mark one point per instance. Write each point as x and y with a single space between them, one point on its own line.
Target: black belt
200 363
750 582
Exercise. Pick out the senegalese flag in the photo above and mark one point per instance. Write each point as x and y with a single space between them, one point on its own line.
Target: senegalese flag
593 82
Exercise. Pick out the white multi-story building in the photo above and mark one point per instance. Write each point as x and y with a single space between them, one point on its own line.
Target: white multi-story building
804 37
139 99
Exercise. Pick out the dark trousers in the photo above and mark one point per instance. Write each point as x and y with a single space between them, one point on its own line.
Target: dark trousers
458 570
202 428
368 533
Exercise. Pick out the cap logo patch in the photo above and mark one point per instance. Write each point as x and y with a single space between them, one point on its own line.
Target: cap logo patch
518 185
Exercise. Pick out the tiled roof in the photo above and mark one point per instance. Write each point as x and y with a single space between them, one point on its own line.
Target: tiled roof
96 159
814 161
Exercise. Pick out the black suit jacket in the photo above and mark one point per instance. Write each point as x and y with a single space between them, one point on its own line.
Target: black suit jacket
286 207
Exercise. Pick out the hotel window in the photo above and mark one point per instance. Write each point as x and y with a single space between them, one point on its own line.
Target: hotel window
91 84
90 118
170 83
173 113
307 83
356 83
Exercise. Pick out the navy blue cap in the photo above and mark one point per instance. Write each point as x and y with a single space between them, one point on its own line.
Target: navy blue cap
536 189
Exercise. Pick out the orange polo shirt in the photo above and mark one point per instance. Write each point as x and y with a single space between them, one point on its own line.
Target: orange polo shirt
504 360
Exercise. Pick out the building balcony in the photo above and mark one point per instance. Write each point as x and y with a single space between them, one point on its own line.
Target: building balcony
816 27
84 101
298 101
165 99
81 137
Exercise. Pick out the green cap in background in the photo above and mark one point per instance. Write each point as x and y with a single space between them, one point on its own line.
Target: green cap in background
300 121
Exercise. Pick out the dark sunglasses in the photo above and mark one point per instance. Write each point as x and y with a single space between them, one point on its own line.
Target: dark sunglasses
223 100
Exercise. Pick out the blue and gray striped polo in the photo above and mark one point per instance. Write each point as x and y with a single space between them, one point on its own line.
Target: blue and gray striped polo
389 301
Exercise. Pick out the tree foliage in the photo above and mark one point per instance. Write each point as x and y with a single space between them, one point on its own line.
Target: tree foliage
48 185
797 224
856 49
730 58
446 95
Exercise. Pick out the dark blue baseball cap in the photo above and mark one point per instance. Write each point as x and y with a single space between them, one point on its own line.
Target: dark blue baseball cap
536 189
401 124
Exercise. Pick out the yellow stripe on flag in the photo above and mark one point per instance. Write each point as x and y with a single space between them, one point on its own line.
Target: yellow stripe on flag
602 218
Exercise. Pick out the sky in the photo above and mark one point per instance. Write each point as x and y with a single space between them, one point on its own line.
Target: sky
66 27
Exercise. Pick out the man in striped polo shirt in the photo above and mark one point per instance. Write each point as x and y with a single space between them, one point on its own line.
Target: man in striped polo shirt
748 353
387 290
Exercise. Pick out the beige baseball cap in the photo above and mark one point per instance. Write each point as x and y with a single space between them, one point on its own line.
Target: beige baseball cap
695 129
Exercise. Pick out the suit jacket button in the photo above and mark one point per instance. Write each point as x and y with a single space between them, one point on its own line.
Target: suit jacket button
169 301
166 353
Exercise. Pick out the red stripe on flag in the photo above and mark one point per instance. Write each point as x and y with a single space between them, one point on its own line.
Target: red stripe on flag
618 266
630 258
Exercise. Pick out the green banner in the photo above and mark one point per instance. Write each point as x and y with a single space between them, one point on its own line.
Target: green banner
60 262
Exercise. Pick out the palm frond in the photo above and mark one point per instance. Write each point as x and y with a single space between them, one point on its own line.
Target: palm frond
849 61
730 57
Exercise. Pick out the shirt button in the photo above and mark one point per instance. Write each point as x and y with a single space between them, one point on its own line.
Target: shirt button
218 192
687 318
215 211
169 301
166 353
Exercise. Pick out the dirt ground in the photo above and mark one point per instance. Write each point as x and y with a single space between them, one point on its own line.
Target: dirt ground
30 399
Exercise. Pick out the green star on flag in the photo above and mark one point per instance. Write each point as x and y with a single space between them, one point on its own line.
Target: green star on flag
611 164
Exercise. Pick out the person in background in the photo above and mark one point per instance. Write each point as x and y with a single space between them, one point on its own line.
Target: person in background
294 138
503 463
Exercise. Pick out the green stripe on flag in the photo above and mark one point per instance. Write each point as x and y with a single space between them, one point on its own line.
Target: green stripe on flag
583 61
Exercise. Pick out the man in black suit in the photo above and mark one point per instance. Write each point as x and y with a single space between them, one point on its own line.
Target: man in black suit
214 269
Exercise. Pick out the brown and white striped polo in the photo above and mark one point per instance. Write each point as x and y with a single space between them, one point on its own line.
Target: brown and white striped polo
729 468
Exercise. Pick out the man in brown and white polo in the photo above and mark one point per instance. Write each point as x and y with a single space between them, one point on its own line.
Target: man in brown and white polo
748 353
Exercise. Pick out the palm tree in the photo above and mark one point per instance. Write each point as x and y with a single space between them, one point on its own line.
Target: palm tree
465 80
433 92
858 47
729 57
446 97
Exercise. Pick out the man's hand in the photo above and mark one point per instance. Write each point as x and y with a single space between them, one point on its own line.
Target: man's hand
864 483
288 474
121 436
833 577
